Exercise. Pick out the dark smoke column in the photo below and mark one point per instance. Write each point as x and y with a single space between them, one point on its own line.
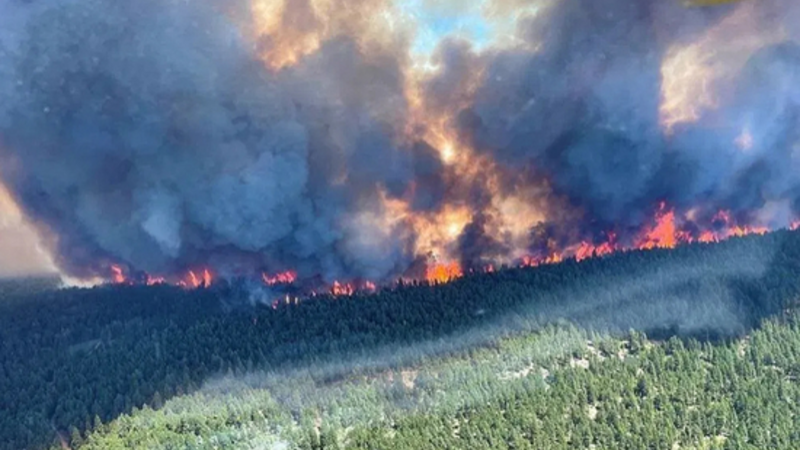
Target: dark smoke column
151 134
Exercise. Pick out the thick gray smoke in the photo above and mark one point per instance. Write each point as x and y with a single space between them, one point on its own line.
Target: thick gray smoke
151 132
583 109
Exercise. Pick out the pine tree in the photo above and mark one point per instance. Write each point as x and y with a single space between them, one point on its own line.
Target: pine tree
75 439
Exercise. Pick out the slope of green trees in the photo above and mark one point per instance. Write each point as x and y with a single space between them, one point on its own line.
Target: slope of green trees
150 367
743 395
557 388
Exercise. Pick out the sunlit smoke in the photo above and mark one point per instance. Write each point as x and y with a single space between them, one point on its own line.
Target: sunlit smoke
22 250
340 146
694 73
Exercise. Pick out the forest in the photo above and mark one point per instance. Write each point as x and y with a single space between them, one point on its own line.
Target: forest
695 346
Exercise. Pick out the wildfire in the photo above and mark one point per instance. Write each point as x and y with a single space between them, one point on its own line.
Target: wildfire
342 289
530 261
666 231
693 75
287 277
707 237
194 280
664 234
152 281
443 273
118 275
587 250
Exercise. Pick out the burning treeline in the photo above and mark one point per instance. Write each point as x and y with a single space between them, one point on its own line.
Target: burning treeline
343 142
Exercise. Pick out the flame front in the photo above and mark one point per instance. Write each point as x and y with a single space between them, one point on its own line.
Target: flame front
117 275
287 277
337 146
443 273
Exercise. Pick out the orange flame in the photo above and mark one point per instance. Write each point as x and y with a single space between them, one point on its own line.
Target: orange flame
442 273
118 276
530 261
588 250
707 237
287 277
342 289
663 234
152 281
667 231
194 281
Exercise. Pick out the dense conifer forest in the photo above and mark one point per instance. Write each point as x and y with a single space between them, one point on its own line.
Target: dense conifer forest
695 347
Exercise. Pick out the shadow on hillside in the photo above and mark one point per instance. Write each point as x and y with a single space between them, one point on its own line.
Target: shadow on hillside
106 350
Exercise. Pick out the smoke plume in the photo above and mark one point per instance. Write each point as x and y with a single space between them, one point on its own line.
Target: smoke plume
312 136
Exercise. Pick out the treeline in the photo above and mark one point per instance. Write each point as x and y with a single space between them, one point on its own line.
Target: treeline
76 359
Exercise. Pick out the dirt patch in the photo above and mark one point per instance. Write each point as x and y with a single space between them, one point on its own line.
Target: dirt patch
409 377
592 411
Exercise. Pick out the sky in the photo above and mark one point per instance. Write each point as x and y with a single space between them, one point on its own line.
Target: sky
482 22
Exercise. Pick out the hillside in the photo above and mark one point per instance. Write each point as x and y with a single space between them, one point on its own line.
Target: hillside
494 360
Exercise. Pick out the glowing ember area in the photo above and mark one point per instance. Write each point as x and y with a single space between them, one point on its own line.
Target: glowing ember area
287 277
342 289
529 261
442 273
664 234
118 276
666 231
152 281
198 279
586 250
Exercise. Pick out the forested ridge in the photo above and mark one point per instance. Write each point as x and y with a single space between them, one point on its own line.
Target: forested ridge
519 358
